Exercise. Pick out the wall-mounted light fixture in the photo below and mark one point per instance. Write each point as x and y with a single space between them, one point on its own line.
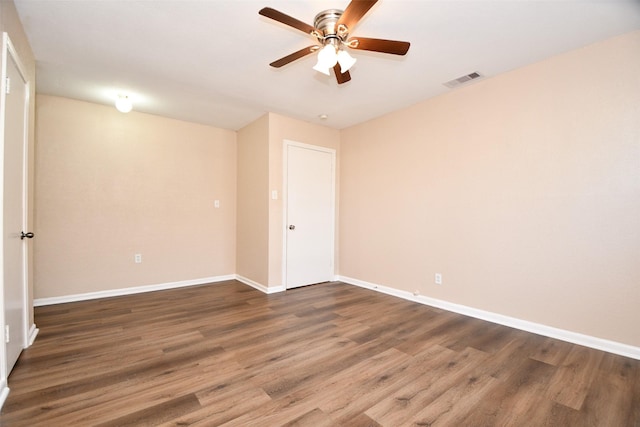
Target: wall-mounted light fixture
123 104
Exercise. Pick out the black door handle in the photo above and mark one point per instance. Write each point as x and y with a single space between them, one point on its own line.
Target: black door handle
28 235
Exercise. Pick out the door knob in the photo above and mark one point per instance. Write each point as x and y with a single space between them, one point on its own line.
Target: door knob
27 235
292 227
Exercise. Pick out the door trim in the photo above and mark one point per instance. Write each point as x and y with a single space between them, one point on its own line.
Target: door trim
285 202
10 53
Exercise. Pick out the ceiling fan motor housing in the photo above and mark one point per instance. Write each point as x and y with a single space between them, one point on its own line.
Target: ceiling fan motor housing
326 22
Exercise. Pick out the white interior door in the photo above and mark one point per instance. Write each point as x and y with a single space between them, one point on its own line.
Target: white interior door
310 186
15 94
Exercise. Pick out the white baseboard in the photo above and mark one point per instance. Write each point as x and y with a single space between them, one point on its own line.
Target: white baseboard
259 286
129 291
536 328
37 302
4 392
4 388
33 333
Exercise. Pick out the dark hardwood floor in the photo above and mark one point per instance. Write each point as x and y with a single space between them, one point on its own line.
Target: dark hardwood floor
325 355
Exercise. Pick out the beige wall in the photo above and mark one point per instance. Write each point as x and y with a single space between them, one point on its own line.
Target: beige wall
252 257
260 171
523 190
110 185
10 23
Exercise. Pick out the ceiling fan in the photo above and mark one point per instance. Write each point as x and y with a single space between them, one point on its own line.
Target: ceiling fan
331 30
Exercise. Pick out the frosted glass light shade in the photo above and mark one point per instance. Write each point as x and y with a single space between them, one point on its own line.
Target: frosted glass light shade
345 60
327 58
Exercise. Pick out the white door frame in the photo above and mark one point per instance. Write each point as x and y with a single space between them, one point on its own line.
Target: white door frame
9 53
285 201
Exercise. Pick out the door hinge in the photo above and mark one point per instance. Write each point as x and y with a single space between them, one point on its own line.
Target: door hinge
8 86
6 334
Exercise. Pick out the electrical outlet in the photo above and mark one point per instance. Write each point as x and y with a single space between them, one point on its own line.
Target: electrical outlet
438 279
216 204
138 258
416 293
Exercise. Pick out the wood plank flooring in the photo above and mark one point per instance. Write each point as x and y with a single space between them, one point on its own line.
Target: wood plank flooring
324 355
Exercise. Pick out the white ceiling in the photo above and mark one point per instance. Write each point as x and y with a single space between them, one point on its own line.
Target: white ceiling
207 61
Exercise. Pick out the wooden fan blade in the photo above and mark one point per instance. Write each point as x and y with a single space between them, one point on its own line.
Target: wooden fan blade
340 76
286 19
355 11
295 55
380 45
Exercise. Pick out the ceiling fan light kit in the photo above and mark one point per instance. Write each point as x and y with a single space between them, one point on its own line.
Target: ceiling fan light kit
331 31
330 55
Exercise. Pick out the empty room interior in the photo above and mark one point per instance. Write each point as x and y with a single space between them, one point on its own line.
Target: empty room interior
321 213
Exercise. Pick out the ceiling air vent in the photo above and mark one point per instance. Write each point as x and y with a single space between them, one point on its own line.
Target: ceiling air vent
462 80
